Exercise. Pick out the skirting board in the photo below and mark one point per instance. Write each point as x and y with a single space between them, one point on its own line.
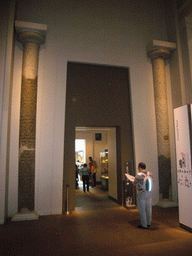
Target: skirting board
185 227
167 204
25 216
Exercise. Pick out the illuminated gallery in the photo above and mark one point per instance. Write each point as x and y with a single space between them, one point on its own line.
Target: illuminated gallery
106 79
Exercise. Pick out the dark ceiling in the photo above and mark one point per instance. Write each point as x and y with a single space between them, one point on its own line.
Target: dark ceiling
184 8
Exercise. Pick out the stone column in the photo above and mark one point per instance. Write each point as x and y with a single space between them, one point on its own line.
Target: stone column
158 52
31 39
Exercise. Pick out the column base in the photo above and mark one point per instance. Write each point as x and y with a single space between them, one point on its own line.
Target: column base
166 203
25 215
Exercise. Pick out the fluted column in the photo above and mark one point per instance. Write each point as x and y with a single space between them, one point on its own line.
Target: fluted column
158 52
31 39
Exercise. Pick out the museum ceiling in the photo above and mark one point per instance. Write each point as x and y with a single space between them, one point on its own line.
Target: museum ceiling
184 8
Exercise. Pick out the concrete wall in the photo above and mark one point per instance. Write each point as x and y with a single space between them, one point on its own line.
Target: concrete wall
3 106
112 163
101 32
7 17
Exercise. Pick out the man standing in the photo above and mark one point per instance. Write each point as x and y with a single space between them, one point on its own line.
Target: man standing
85 176
93 167
144 199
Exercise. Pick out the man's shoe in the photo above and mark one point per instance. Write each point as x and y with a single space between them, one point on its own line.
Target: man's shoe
140 226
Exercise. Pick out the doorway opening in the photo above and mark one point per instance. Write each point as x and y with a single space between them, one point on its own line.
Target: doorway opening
97 96
100 144
102 150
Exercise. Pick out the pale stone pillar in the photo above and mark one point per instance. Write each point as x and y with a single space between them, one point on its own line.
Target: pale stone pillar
160 90
31 36
158 52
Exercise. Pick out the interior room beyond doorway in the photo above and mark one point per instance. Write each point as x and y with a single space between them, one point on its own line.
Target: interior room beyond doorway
100 144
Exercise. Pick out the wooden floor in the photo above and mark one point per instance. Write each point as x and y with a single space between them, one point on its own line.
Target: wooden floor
98 227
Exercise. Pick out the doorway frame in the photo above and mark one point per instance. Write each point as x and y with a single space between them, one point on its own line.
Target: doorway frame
113 87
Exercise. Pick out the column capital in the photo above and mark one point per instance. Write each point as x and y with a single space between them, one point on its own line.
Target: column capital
30 32
160 49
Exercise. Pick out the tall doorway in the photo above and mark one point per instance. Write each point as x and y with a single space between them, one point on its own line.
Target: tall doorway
97 96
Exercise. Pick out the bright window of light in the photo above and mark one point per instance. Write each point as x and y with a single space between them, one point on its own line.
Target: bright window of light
80 154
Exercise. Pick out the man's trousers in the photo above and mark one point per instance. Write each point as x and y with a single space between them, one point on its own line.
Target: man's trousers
145 207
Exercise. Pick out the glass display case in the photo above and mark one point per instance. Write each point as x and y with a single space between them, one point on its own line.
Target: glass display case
104 168
129 190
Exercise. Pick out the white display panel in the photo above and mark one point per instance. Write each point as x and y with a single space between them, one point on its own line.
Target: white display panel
184 175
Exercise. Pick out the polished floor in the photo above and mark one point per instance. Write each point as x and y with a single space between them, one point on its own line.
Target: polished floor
98 227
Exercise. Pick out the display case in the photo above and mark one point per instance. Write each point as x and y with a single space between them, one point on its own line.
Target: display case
129 190
104 168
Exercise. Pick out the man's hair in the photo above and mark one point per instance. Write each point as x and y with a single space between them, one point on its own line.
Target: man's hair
142 165
85 165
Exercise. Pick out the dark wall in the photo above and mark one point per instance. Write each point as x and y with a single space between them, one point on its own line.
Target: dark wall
97 96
